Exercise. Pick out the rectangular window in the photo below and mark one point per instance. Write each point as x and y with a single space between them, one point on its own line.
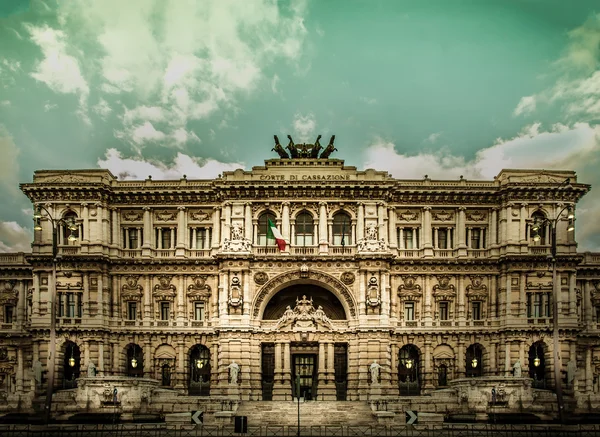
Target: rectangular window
164 310
133 239
408 238
409 311
476 310
538 305
445 237
199 238
70 305
444 310
8 313
198 310
165 238
131 310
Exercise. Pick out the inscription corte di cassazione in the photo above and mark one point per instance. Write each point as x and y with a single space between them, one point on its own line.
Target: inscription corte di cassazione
305 177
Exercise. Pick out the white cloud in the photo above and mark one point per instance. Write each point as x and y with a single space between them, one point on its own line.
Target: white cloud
368 100
137 168
14 238
49 106
182 136
9 164
526 106
5 103
102 108
304 126
433 137
58 70
13 66
274 83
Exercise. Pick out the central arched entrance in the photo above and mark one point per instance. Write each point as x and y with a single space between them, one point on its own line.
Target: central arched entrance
301 308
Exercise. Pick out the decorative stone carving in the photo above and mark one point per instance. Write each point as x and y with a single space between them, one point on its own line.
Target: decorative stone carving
331 283
476 290
199 216
410 290
476 216
444 290
373 299
235 293
442 216
261 278
165 216
131 290
303 316
132 216
164 290
237 243
370 243
9 294
408 216
347 278
198 290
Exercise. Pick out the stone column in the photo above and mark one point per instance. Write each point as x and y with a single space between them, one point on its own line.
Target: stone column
85 215
226 223
86 356
180 298
507 366
427 290
522 223
493 297
115 300
285 221
180 380
558 296
216 241
86 294
181 229
461 359
101 357
588 369
461 298
248 222
427 243
362 293
522 297
35 309
493 227
115 359
147 298
393 239
503 225
461 228
323 243
493 361
20 373
572 295
100 238
147 228
116 235
287 370
587 303
322 373
381 222
100 296
428 369
508 296
21 302
246 290
360 222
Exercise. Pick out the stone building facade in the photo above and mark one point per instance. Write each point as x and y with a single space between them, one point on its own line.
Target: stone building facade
386 287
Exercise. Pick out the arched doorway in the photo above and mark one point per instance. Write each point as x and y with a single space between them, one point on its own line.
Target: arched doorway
474 357
199 383
408 371
71 365
135 361
537 365
331 305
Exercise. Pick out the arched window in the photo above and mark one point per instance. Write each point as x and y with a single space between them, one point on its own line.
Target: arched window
537 365
71 365
305 228
199 384
263 228
538 229
342 230
69 234
408 371
474 360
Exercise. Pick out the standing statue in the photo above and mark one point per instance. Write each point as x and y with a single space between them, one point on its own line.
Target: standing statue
374 368
234 370
314 153
279 149
91 370
329 149
517 369
292 148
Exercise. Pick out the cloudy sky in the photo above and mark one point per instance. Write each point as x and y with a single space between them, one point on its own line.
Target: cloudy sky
171 87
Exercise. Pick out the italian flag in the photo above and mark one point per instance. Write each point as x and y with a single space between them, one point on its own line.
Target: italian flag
273 232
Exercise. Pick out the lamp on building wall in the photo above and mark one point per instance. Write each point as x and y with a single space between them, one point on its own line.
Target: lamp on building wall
72 359
199 363
474 362
134 362
536 361
535 228
69 222
409 363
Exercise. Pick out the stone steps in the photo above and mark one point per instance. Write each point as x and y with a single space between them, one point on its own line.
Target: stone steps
312 413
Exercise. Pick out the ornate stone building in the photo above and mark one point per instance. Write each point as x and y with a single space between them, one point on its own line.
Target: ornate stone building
386 287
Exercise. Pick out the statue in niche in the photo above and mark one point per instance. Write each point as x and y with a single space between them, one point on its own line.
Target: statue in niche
374 369
91 370
234 370
279 149
237 232
517 369
235 292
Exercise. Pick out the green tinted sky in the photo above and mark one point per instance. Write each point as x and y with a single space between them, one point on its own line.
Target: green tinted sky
444 88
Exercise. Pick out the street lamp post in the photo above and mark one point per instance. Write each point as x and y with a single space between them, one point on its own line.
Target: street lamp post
537 226
55 223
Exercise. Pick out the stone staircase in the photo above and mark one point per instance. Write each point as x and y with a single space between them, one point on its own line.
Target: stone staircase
312 413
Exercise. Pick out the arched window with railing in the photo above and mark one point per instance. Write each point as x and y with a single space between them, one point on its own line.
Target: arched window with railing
263 235
304 229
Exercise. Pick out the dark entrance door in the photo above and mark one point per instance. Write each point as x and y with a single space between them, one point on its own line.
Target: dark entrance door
268 371
306 369
340 363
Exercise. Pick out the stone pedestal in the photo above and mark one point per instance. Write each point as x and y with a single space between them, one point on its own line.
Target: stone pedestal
375 392
233 392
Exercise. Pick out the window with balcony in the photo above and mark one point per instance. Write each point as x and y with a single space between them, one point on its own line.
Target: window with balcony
408 237
199 311
165 237
69 305
132 238
305 229
9 311
444 310
200 238
538 304
131 310
476 310
475 238
342 229
443 237
165 308
263 228
409 311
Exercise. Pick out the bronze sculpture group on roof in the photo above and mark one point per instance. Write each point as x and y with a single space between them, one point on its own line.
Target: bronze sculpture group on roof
304 150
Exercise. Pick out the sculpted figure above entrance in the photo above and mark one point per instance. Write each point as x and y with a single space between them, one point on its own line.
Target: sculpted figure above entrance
304 315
